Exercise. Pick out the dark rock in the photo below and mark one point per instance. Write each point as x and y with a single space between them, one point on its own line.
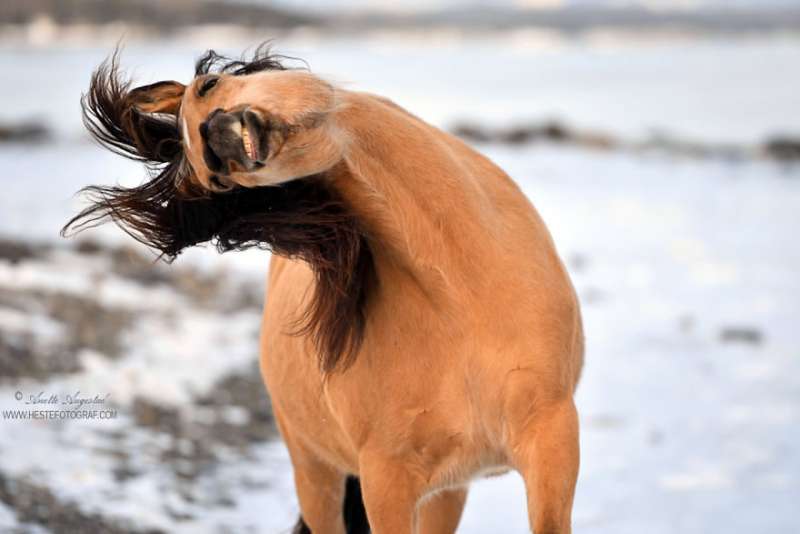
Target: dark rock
149 414
244 390
36 504
783 148
22 356
472 132
554 131
130 263
520 134
195 440
14 251
741 334
86 324
24 132
89 246
516 135
89 324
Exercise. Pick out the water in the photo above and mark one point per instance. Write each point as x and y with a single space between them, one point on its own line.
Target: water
715 90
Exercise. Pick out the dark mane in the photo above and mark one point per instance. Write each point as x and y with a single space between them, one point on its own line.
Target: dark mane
303 219
262 59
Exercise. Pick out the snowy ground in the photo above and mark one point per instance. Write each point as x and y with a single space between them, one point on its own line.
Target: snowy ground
686 268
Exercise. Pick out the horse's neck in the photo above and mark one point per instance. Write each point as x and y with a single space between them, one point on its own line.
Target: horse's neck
417 198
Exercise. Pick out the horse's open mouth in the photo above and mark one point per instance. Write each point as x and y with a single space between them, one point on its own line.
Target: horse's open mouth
254 137
237 141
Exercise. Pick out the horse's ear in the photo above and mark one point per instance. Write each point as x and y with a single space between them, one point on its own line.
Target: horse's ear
161 97
148 116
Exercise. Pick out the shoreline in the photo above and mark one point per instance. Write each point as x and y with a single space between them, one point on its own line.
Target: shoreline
43 32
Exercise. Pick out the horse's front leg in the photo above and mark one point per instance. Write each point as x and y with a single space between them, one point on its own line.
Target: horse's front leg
320 488
390 491
546 453
441 513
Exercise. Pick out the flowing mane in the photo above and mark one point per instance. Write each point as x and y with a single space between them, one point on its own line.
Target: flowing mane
302 218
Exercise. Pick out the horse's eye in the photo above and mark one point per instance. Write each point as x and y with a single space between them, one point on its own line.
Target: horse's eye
207 85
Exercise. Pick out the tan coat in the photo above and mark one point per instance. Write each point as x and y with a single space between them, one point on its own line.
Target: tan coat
473 345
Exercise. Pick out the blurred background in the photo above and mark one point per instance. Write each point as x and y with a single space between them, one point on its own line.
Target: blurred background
659 139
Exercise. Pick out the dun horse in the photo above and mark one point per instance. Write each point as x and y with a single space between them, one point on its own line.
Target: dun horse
419 329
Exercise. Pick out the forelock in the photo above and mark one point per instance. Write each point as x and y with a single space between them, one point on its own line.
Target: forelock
262 59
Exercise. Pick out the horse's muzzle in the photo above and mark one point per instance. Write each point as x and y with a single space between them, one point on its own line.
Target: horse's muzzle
234 142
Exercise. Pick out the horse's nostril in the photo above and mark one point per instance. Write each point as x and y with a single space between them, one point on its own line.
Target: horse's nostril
204 126
222 143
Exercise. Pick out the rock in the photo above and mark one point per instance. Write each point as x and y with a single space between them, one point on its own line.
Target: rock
472 132
22 356
14 251
38 505
24 132
520 134
741 334
783 148
554 131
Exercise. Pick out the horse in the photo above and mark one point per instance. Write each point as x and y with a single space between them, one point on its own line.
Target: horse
419 330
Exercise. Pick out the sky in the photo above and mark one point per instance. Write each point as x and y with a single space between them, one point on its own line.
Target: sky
432 5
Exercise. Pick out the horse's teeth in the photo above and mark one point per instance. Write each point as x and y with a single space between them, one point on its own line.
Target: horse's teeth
248 145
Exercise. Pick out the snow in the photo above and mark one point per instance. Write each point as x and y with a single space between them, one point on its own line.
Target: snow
681 429
45 329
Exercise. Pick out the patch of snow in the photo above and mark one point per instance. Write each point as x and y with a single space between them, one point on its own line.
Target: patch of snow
43 327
